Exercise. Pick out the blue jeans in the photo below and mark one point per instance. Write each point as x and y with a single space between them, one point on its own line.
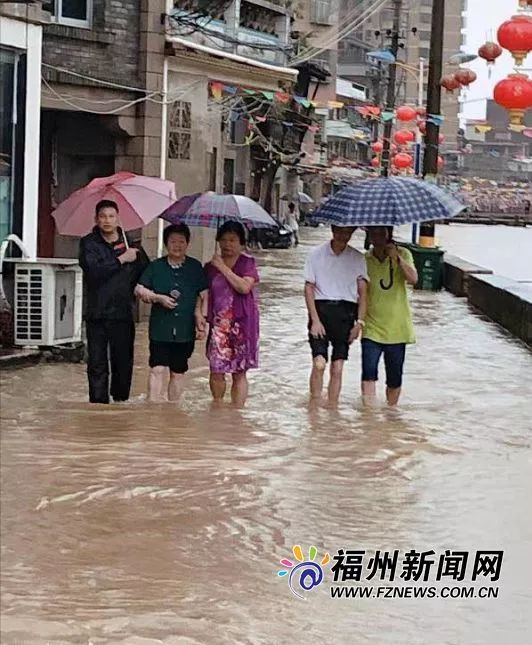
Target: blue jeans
394 358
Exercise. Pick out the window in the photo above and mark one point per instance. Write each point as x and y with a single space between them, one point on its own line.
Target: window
229 176
425 18
75 13
179 133
321 12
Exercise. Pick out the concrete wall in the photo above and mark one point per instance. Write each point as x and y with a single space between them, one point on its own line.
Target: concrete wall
505 301
457 273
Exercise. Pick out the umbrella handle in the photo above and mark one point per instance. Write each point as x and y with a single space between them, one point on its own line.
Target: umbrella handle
123 234
387 287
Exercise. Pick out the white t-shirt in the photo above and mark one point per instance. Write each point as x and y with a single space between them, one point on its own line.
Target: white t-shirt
292 223
335 276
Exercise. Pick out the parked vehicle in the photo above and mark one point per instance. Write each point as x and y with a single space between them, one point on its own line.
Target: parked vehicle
272 238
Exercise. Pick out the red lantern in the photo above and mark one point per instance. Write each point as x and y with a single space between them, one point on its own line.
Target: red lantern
375 162
402 160
515 35
402 137
441 162
421 111
377 147
405 113
450 83
465 76
515 94
490 52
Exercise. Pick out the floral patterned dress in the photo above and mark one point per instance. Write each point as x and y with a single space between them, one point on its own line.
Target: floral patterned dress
233 344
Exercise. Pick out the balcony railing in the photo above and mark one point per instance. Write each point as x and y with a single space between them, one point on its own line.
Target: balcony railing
218 34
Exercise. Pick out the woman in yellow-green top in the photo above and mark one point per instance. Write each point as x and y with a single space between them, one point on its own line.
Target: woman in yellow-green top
388 326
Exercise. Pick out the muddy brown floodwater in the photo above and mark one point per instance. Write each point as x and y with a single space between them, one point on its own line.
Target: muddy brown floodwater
138 524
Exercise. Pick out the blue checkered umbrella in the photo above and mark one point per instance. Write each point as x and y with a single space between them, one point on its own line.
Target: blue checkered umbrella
388 201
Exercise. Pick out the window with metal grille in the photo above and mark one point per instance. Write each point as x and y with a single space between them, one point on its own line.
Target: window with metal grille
321 12
179 130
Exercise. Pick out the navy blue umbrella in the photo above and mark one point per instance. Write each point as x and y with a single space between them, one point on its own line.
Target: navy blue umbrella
388 201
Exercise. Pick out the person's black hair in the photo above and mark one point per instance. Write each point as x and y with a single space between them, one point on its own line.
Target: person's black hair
388 229
180 229
292 206
232 227
105 203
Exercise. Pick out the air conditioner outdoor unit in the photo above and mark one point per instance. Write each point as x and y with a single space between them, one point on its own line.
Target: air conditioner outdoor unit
48 301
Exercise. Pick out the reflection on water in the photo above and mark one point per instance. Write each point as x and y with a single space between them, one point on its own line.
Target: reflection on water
503 249
141 524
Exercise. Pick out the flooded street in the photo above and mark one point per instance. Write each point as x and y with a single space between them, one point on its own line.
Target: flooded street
142 524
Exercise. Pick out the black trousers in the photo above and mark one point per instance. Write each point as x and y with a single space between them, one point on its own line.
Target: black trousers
110 341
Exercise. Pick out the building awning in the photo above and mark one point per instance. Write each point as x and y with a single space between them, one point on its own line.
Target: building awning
347 174
343 130
283 73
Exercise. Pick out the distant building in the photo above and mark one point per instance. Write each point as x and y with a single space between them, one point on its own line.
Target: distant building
373 34
489 149
347 133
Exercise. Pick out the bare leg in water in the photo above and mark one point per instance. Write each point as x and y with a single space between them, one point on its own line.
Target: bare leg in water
157 385
335 381
239 389
316 377
218 386
175 386
369 393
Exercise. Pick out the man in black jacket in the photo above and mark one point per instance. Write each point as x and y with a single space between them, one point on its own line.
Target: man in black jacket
111 272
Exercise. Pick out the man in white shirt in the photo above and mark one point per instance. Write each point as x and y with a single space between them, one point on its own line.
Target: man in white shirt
336 296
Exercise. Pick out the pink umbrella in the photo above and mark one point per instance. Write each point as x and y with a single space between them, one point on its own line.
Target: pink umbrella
140 200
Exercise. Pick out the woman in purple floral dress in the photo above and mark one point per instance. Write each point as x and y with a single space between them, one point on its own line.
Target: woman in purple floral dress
233 316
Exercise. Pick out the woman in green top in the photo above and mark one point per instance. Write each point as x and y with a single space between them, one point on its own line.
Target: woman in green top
388 326
175 285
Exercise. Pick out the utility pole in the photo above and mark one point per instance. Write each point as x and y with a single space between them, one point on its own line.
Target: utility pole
376 79
390 96
430 165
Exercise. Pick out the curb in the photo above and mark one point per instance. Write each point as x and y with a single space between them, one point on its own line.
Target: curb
20 359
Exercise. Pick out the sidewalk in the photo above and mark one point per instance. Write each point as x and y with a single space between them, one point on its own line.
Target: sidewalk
15 357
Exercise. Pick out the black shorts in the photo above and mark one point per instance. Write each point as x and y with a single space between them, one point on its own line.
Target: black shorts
172 355
338 318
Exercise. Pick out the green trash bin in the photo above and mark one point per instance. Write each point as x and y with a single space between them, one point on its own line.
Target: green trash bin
429 266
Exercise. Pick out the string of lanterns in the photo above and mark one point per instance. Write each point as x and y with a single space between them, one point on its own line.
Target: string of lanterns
401 159
514 93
